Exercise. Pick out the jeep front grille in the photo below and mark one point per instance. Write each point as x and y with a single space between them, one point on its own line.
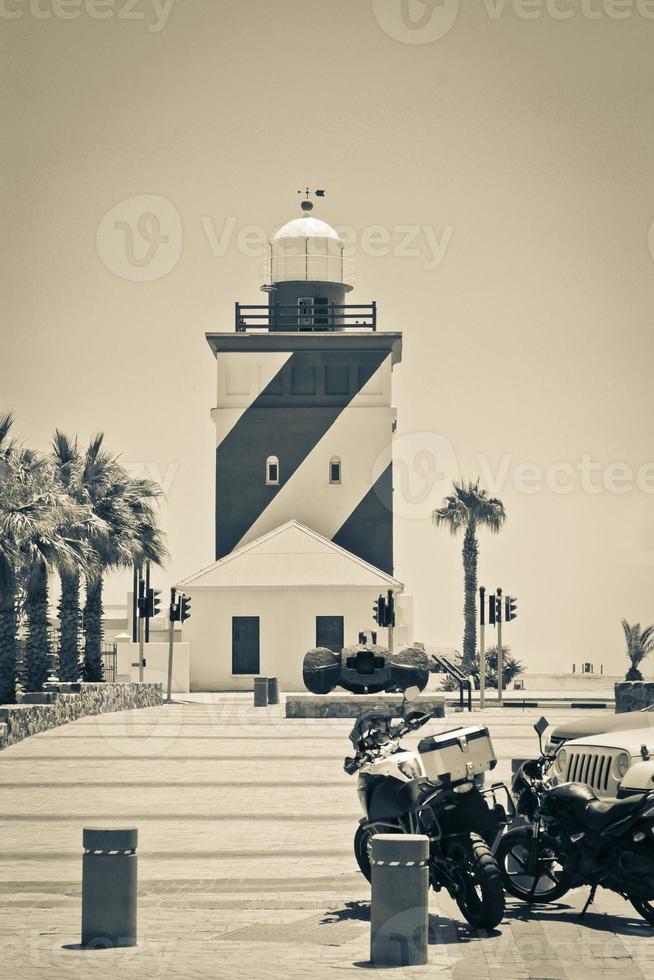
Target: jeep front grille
590 768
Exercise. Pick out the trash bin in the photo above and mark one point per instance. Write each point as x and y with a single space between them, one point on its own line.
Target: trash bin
260 692
273 690
109 887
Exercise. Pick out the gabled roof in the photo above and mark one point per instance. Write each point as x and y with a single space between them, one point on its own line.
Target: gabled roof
291 555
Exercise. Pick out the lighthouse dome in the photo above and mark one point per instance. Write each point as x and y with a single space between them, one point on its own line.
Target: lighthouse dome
303 251
307 227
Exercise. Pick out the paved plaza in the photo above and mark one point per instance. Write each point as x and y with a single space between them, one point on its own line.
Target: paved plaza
245 855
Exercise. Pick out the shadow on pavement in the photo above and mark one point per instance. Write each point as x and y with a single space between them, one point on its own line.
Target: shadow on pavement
599 921
442 930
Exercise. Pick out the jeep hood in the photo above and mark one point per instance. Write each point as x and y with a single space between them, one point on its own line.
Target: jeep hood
591 726
629 740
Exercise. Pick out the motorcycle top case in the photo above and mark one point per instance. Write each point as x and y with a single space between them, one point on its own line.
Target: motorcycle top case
458 754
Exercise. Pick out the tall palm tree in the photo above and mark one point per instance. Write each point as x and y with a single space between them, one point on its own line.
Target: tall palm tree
34 515
467 509
72 476
53 544
125 507
640 643
9 503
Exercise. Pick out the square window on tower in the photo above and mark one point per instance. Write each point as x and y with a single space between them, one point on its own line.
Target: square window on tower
303 380
337 379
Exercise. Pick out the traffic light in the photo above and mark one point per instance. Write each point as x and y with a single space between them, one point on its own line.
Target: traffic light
152 603
142 602
185 607
390 609
510 608
379 611
492 608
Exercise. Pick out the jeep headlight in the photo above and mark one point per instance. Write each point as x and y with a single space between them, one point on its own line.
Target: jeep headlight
622 764
562 760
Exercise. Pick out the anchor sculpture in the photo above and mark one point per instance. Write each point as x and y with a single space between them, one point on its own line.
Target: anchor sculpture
365 669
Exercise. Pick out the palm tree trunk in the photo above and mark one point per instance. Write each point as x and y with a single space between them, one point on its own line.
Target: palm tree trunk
38 652
8 643
69 618
92 622
470 554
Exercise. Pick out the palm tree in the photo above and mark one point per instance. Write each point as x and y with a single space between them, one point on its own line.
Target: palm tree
640 643
9 503
125 507
52 543
33 517
468 508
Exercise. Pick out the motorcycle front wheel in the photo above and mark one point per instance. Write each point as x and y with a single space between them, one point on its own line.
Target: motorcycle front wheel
547 883
362 846
644 908
479 893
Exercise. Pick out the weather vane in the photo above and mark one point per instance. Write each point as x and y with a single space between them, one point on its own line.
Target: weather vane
307 205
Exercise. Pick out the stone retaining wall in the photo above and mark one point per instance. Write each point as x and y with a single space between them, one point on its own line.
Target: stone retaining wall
633 695
22 720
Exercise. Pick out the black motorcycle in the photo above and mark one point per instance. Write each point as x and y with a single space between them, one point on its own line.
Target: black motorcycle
572 838
461 826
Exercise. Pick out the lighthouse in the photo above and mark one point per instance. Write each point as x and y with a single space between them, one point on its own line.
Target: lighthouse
304 422
304 417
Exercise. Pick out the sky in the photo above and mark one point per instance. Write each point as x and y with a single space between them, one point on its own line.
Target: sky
490 164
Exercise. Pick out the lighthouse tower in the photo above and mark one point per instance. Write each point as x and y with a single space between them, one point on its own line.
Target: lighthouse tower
304 416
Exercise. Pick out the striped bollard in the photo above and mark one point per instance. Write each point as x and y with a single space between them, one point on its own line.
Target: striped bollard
109 888
260 692
399 932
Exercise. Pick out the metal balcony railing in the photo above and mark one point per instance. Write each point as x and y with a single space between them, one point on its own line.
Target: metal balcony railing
324 316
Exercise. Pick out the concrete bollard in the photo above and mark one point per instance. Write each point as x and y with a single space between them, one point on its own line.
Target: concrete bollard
260 692
109 888
273 690
399 933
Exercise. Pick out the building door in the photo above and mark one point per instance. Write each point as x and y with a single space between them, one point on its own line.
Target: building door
329 632
245 645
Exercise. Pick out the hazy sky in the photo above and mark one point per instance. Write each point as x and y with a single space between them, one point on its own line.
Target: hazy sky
505 151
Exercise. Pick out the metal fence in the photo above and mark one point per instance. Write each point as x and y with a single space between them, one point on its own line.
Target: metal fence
107 651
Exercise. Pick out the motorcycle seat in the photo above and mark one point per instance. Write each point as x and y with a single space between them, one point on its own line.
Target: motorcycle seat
601 814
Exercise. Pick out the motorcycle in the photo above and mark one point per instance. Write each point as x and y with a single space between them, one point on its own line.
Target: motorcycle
399 795
572 838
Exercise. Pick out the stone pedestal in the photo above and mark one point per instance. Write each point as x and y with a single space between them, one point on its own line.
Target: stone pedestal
633 695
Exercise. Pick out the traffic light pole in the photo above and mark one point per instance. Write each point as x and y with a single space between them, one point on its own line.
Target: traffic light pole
500 654
482 648
171 641
141 644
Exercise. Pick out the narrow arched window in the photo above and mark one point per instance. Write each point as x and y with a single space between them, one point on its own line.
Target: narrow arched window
335 469
272 471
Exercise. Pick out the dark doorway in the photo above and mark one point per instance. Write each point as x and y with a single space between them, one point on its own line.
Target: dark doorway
329 632
245 645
